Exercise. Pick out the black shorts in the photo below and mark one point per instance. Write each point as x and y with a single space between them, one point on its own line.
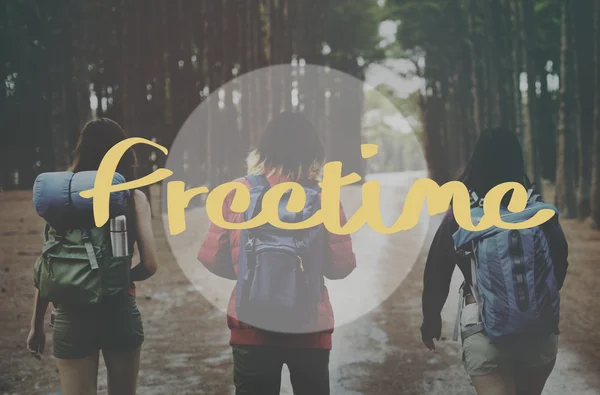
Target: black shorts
80 331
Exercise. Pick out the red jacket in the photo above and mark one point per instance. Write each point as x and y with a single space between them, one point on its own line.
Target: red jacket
339 263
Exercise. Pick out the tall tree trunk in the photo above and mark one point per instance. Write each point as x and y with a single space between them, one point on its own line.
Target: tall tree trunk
290 18
276 57
432 118
508 70
233 150
547 145
501 57
565 186
245 66
530 130
517 66
212 57
114 65
595 209
584 53
134 89
470 9
491 60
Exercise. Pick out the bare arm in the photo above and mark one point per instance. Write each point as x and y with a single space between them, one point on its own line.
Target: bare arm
145 239
39 311
36 340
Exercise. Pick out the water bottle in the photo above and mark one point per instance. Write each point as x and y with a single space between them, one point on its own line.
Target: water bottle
118 236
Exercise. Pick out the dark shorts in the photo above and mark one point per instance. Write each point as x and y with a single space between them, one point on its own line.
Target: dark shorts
257 370
114 325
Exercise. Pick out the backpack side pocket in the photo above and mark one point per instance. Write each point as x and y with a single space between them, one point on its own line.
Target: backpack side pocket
115 275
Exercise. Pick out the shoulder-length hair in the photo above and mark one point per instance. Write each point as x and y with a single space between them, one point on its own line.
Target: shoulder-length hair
498 158
290 146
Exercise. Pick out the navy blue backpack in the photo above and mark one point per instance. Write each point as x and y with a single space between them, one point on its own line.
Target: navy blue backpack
512 275
280 272
56 198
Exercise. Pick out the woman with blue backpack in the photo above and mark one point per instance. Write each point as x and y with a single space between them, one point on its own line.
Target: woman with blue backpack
509 304
279 311
86 271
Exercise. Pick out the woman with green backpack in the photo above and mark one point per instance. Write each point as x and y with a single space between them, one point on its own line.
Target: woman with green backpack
98 311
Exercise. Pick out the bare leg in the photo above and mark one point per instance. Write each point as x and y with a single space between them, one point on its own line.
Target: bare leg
495 384
79 376
122 370
531 381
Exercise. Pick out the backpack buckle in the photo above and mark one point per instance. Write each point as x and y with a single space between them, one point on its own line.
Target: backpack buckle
250 245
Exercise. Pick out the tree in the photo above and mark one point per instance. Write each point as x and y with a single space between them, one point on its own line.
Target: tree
351 32
595 209
583 15
476 116
565 185
530 128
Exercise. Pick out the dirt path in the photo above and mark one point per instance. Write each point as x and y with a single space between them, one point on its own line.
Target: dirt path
186 349
185 335
409 368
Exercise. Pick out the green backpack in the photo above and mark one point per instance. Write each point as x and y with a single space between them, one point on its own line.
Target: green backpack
77 267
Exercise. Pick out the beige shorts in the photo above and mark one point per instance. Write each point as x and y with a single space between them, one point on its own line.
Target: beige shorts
481 357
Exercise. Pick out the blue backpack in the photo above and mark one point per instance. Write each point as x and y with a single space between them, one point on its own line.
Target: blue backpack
512 275
280 272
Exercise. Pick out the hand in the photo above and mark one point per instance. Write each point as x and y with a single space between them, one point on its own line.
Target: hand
430 331
429 344
36 341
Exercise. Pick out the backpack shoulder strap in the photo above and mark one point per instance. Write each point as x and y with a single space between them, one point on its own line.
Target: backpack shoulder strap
46 230
89 248
256 180
256 204
48 245
314 186
533 196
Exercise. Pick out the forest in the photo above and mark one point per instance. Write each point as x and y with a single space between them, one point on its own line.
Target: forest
531 66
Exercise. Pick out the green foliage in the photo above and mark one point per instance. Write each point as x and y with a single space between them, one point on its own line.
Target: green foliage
352 32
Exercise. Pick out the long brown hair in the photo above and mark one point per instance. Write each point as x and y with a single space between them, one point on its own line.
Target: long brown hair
96 138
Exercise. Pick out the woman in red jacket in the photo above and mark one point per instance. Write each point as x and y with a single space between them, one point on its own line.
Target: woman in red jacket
289 150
